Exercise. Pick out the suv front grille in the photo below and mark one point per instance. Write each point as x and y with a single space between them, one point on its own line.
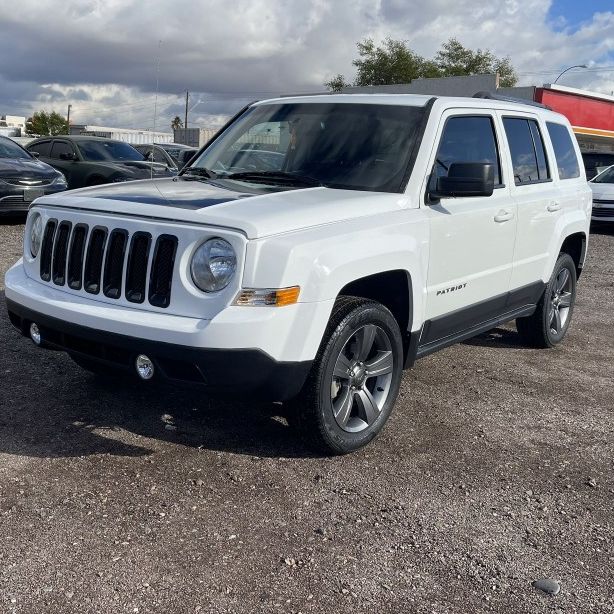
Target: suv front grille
94 261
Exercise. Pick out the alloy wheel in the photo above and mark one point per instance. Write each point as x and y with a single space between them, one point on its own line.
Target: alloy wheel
361 378
560 302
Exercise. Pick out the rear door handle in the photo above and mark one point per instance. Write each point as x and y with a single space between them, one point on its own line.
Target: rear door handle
552 207
503 216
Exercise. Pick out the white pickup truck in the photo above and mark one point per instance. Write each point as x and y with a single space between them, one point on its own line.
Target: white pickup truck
315 248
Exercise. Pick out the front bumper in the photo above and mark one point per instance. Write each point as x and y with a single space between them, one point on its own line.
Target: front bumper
238 372
603 210
15 199
266 352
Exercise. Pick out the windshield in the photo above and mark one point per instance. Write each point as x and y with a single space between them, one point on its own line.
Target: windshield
97 151
606 177
340 145
8 149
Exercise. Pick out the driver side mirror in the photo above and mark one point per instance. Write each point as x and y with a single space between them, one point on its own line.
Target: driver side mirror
34 154
466 179
68 156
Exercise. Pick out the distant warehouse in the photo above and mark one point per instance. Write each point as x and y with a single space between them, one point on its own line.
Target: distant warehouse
127 135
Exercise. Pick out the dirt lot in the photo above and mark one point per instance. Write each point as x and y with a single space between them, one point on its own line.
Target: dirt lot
496 469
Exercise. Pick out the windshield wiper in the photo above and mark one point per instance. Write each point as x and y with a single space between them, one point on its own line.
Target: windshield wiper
199 171
275 177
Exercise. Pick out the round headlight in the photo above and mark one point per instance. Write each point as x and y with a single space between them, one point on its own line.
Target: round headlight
213 265
36 234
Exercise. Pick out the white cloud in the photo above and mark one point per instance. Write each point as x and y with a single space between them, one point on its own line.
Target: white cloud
101 55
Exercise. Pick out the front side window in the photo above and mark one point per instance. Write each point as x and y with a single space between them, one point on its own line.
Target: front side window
526 149
339 145
467 139
100 151
60 149
564 151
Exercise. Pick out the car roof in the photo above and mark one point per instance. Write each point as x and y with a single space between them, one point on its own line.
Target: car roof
77 138
418 100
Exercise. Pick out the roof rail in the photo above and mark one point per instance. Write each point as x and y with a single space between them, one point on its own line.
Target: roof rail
491 96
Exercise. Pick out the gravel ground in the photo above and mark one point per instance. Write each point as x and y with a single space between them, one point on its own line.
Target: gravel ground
495 470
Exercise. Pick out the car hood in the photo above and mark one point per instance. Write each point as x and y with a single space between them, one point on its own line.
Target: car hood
26 169
256 214
602 191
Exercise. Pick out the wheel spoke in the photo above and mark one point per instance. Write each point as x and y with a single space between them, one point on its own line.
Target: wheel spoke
342 406
562 280
367 407
342 367
557 321
366 338
380 365
565 299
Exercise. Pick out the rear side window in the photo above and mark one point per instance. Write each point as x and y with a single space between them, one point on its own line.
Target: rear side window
564 151
527 150
41 148
59 148
468 139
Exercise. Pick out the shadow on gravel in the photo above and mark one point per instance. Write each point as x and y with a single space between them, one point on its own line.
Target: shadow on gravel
49 407
497 337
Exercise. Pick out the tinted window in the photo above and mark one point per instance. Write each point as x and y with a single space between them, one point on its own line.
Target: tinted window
96 151
468 139
526 149
41 148
11 150
59 148
152 152
564 151
350 146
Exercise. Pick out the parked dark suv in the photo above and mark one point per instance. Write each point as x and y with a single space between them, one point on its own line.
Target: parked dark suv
173 155
88 160
24 178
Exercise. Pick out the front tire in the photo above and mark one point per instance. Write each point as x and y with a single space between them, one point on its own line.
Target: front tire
547 327
355 378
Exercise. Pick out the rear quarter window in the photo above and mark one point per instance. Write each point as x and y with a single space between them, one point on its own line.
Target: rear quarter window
564 151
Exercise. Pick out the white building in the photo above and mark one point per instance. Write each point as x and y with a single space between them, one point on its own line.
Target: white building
128 135
12 125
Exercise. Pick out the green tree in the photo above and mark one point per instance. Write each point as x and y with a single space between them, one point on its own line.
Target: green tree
453 59
394 62
337 83
45 123
176 124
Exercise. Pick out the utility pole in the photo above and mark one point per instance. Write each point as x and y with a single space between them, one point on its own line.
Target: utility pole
68 118
185 123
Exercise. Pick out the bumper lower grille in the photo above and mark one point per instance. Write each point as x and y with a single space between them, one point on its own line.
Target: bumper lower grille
101 259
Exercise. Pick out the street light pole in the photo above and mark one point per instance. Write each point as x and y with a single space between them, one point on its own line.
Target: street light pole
68 118
185 123
575 66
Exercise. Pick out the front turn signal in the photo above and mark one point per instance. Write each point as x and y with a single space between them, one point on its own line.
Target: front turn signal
268 296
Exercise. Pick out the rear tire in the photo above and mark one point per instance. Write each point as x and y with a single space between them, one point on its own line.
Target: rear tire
547 327
354 380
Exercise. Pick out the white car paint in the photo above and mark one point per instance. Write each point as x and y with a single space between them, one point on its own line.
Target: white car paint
322 239
603 198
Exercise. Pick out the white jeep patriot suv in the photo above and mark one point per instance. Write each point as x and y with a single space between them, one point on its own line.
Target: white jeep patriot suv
314 249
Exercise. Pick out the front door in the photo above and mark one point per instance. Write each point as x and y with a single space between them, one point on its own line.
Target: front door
471 238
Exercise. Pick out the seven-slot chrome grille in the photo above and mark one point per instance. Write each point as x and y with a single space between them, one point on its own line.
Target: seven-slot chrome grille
98 259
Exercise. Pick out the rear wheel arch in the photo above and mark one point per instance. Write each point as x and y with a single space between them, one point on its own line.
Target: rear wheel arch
575 246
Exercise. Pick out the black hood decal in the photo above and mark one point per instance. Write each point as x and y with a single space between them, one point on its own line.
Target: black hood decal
185 193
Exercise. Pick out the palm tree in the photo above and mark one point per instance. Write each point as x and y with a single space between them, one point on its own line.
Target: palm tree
176 123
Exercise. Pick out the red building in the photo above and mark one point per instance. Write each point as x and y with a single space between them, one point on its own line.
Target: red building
591 114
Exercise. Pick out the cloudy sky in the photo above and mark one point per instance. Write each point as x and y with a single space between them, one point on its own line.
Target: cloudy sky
105 56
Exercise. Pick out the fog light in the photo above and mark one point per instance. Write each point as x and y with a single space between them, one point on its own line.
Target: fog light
144 366
35 333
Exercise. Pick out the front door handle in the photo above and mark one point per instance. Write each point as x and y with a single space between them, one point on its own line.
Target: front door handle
552 207
503 216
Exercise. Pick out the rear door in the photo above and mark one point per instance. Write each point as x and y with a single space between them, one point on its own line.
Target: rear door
60 150
471 238
536 195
